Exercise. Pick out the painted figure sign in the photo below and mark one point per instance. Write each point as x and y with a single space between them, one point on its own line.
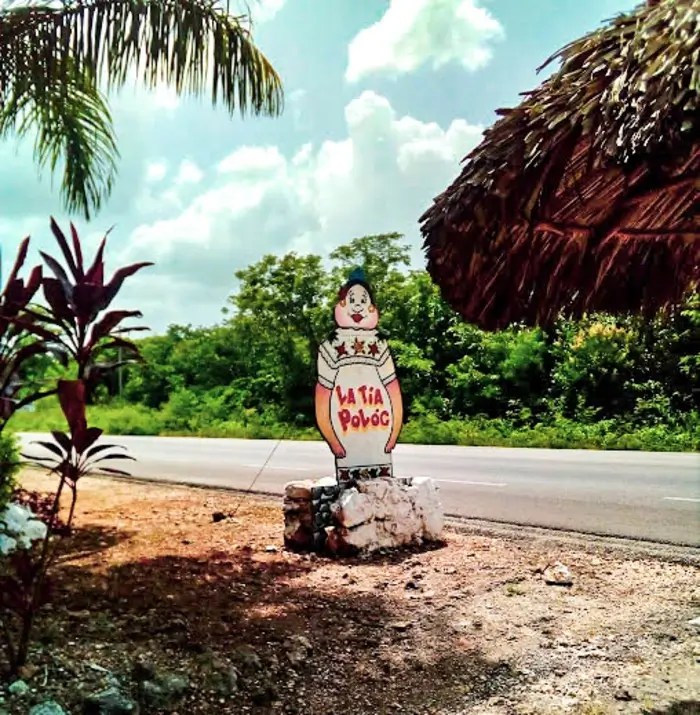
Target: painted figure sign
359 410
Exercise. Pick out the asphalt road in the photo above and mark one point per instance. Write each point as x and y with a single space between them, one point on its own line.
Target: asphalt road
639 495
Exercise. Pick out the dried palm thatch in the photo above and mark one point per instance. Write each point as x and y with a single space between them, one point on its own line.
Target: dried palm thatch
585 196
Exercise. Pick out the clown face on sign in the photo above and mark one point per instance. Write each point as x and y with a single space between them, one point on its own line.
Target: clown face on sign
359 409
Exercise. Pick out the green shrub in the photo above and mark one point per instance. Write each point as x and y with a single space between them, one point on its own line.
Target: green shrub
9 466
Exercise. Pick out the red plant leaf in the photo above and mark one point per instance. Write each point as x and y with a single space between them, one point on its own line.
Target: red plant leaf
101 448
51 447
15 297
71 395
114 285
108 322
65 248
115 456
19 260
57 299
63 440
86 439
58 271
33 458
114 342
111 470
30 325
96 273
33 283
26 352
78 251
131 329
88 299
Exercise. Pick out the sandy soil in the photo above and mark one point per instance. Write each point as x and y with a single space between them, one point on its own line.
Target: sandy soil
468 626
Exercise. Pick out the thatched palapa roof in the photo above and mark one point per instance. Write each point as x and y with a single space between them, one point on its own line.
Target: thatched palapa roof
585 196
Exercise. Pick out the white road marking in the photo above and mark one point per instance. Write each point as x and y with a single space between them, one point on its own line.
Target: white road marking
478 484
697 501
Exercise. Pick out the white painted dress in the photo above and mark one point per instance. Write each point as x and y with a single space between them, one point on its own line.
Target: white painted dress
357 366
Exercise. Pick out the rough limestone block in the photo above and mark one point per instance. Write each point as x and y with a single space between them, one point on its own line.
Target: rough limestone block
376 487
354 508
298 535
342 540
384 512
298 515
427 505
299 490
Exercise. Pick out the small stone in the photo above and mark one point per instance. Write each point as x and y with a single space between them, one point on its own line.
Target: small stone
557 574
247 659
218 516
18 688
298 648
50 707
411 586
624 695
109 702
174 685
400 625
271 549
27 672
226 679
695 623
161 694
143 670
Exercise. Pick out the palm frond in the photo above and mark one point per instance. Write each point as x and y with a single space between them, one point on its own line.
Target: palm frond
71 122
53 56
172 41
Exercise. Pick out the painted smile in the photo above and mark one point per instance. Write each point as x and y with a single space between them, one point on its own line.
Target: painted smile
357 317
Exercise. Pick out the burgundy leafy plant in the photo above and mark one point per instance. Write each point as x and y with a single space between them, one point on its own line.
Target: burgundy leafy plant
22 337
77 322
75 454
78 298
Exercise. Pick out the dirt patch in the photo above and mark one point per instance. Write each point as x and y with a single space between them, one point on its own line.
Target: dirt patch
150 583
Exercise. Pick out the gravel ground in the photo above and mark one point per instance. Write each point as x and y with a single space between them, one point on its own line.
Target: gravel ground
151 591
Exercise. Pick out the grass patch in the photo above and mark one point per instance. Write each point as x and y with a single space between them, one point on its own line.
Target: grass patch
128 419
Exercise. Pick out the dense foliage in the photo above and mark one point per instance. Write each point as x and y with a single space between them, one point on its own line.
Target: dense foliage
598 382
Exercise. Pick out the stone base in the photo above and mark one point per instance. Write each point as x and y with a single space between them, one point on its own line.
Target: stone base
371 514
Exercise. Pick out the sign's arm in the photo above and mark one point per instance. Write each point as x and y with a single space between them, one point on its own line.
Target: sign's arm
396 400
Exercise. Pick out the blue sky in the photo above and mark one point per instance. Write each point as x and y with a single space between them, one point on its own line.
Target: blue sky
384 98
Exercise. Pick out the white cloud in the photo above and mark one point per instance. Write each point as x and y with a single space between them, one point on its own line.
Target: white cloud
413 33
156 171
256 200
188 173
251 161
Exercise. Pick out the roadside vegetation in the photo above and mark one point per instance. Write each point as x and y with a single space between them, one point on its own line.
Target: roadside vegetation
598 383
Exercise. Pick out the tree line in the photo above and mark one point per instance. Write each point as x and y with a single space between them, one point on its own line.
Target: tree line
601 381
